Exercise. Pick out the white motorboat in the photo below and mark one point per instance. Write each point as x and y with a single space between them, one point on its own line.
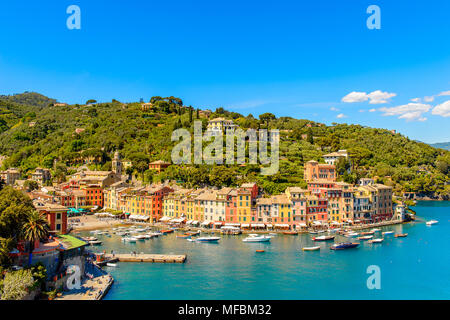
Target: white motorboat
311 248
95 243
140 237
376 230
129 239
378 240
109 264
365 238
257 239
431 222
388 232
205 239
323 238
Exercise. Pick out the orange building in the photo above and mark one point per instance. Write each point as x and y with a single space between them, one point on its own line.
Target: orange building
319 171
56 216
158 165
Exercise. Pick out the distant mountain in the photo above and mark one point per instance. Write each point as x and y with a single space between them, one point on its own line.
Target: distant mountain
441 145
29 98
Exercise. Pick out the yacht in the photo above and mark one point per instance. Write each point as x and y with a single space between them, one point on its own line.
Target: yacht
205 239
256 238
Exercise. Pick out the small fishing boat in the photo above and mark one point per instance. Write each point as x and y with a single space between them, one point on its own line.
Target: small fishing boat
344 245
367 233
140 230
260 251
401 235
431 222
257 239
323 238
313 232
378 240
311 248
155 234
291 233
388 232
140 237
206 239
184 236
95 243
193 233
365 238
109 264
376 230
166 231
89 239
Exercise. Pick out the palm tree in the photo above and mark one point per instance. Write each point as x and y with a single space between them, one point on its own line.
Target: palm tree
35 228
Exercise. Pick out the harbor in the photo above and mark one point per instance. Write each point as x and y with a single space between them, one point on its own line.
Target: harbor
280 268
140 257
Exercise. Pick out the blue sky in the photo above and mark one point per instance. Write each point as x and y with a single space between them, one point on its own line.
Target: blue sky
291 58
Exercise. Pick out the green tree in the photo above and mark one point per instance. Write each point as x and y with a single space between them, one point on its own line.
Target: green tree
34 229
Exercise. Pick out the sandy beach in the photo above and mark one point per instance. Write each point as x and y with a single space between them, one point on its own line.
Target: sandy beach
92 223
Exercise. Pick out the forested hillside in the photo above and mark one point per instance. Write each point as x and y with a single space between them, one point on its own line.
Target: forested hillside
35 135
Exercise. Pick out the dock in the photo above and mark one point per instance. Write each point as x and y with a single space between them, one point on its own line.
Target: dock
143 257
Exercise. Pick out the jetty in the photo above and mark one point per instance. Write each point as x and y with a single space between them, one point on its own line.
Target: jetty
140 257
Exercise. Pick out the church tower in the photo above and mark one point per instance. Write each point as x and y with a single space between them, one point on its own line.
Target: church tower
117 165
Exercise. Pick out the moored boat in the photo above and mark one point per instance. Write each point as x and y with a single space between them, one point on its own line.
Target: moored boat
260 251
367 233
206 239
376 230
365 238
323 238
401 235
388 232
257 239
431 222
166 231
344 245
378 240
311 248
291 233
129 239
351 234
184 236
109 264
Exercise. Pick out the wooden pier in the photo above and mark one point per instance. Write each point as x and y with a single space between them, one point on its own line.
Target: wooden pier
128 257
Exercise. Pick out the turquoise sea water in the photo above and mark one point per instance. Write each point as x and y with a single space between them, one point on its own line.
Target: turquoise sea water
415 267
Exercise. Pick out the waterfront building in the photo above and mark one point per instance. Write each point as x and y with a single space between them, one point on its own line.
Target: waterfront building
362 206
112 194
283 217
316 210
94 195
384 208
243 206
252 187
319 171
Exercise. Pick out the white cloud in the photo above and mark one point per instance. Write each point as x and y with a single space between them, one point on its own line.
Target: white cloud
379 97
355 97
375 97
341 115
415 100
442 109
444 93
334 109
372 110
428 99
362 110
409 112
